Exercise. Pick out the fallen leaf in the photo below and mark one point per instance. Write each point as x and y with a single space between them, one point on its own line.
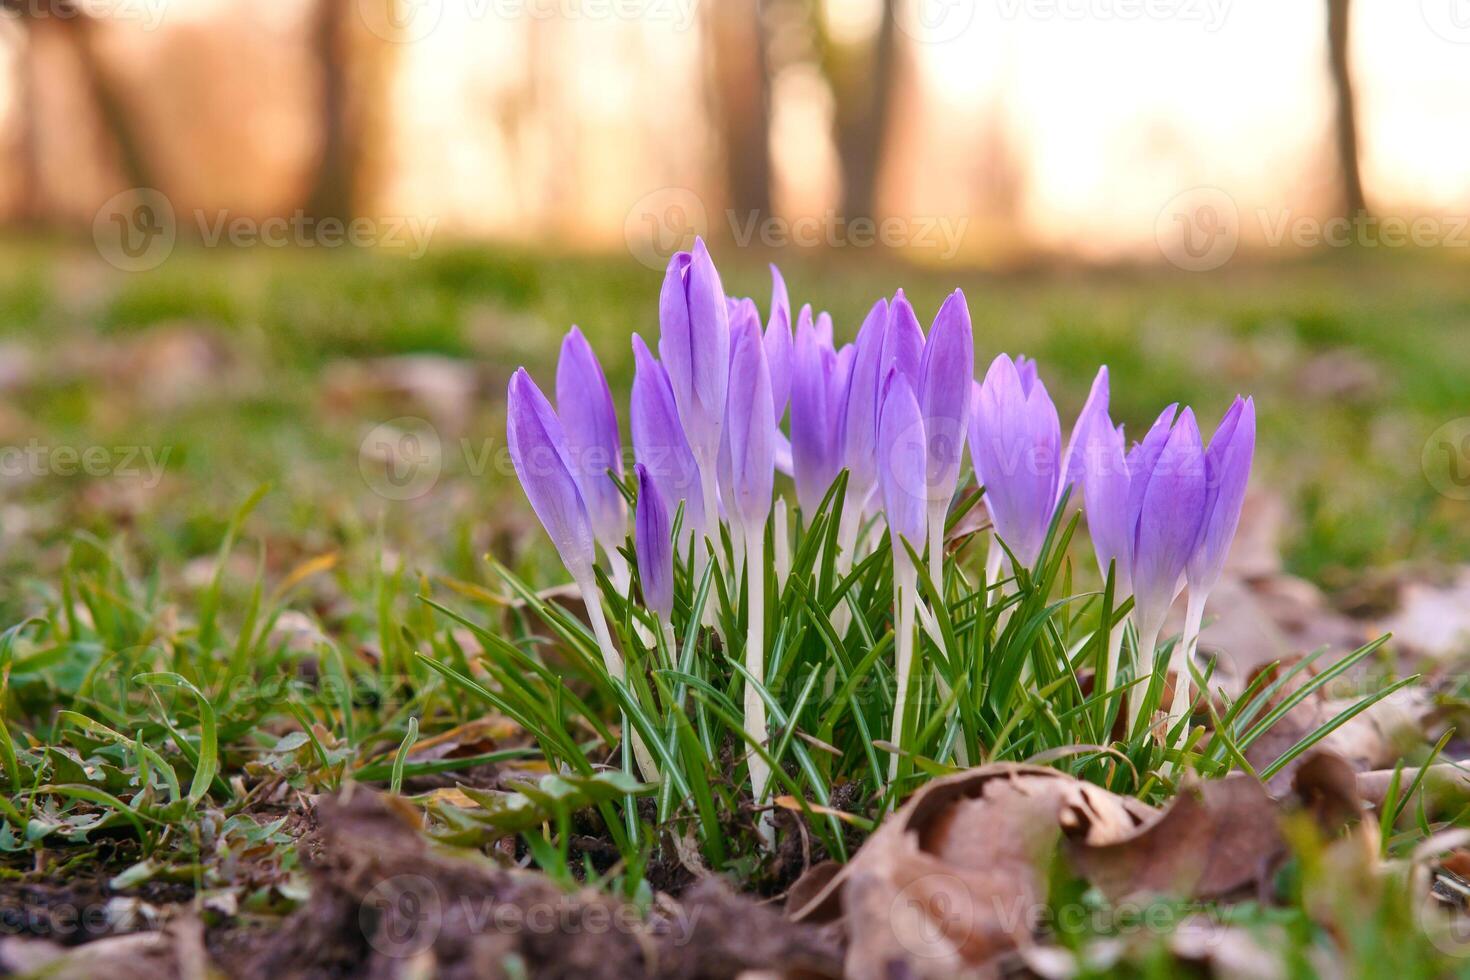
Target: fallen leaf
957 877
1215 837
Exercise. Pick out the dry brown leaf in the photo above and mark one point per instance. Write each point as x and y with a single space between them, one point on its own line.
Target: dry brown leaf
1445 788
957 877
1215 838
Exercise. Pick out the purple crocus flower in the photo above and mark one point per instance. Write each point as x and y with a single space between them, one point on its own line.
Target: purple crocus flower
694 341
901 460
1015 443
778 344
658 440
1167 493
747 458
903 342
584 404
1094 411
1105 491
653 545
538 450
946 373
858 424
1227 469
816 396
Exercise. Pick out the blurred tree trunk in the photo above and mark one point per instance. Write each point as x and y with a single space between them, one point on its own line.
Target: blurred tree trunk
334 189
862 79
743 92
31 208
1350 189
77 29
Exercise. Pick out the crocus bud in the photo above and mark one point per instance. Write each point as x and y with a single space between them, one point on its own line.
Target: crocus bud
1105 492
694 341
1171 509
747 458
538 450
778 344
1094 411
584 404
858 426
903 342
946 372
658 439
815 395
653 545
1015 443
901 456
1227 469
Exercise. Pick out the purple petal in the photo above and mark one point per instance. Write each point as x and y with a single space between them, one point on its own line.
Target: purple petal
1015 442
658 439
750 429
813 405
653 545
1105 493
1143 456
1094 411
1169 521
903 342
1227 470
538 450
858 426
945 375
694 340
585 405
778 344
901 452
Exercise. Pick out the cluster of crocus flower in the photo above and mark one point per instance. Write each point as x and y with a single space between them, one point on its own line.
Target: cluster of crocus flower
895 409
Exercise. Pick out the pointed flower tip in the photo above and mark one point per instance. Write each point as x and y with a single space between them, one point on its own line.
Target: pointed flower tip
653 545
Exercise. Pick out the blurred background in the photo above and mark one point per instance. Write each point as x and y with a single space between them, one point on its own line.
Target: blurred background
305 242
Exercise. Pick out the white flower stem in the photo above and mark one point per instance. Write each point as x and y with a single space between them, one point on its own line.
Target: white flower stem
613 661
937 510
1183 655
755 663
706 540
670 644
1109 675
783 545
1148 642
904 586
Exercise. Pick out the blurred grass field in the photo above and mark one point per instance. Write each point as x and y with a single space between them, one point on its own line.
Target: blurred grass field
230 370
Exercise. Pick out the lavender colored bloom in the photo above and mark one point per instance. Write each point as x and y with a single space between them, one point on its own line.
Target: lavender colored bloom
653 545
778 344
901 456
1170 490
1094 411
946 373
816 392
694 341
538 450
584 404
658 439
858 425
1105 491
903 342
747 452
1015 443
1227 469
